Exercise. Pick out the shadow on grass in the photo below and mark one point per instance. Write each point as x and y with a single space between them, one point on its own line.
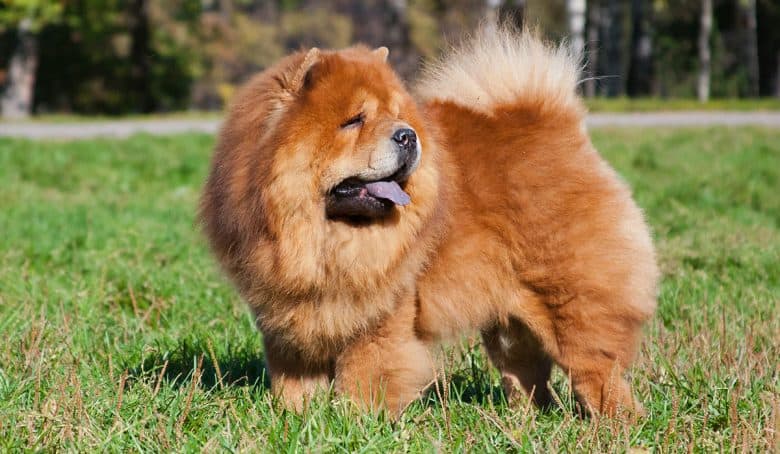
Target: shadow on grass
476 388
238 365
466 387
234 365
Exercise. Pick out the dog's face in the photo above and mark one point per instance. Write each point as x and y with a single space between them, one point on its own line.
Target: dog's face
324 174
324 177
364 132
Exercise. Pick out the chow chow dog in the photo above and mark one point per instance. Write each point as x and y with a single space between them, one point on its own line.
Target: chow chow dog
364 223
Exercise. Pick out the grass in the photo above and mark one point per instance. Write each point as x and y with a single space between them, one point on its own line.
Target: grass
119 333
622 105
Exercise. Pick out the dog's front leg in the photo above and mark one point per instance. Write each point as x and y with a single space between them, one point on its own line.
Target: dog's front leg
386 368
293 379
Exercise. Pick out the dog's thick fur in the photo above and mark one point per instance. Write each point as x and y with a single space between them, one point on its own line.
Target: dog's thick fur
517 227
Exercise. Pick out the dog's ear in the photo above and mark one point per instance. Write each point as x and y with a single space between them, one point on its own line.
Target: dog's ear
381 53
302 76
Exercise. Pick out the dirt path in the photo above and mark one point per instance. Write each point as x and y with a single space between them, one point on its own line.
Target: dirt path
124 128
108 128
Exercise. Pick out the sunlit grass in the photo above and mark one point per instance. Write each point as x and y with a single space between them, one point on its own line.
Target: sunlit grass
110 305
679 104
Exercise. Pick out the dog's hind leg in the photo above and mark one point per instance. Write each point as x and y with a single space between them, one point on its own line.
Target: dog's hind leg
594 339
525 367
596 343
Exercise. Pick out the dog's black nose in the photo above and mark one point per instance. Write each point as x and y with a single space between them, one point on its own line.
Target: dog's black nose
406 138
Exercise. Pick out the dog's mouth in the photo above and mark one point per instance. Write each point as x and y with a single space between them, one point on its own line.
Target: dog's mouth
355 198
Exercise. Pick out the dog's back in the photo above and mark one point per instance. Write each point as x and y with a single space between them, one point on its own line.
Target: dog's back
547 254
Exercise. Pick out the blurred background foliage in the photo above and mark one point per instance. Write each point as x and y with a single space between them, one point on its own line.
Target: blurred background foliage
139 56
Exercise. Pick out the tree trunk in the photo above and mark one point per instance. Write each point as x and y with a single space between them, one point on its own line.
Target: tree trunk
491 11
17 99
747 13
640 71
594 25
139 55
226 10
398 33
384 23
575 12
777 77
612 21
705 29
513 12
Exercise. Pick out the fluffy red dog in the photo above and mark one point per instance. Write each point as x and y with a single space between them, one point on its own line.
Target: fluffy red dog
363 224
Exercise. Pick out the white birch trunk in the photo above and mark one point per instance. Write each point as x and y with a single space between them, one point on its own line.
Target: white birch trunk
594 25
17 99
705 29
491 12
575 12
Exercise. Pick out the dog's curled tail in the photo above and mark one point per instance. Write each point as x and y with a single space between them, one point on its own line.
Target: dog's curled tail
502 67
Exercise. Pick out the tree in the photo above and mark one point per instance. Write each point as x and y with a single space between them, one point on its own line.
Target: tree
139 55
640 70
749 43
513 11
27 17
594 27
509 11
492 12
705 30
398 31
777 76
767 20
612 23
575 12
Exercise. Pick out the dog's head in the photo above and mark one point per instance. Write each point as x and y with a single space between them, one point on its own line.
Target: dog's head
328 154
363 128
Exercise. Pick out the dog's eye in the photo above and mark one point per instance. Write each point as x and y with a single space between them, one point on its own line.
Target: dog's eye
357 120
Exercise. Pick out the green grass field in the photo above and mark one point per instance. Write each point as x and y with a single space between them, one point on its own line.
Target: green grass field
118 332
680 104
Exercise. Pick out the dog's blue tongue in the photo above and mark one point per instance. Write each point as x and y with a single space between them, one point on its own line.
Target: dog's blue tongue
388 190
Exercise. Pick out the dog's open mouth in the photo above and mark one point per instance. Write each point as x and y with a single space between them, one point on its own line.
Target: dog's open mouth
354 198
